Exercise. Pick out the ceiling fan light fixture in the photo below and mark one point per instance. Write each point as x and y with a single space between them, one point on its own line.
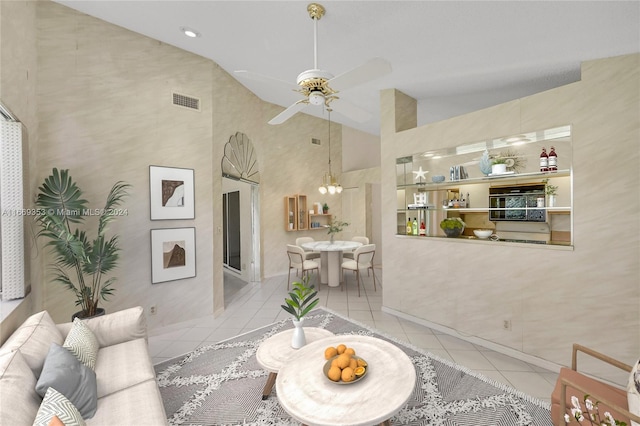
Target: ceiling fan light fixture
316 98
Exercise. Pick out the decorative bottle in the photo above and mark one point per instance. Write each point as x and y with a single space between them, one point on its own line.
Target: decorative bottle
423 230
409 227
544 161
553 160
415 226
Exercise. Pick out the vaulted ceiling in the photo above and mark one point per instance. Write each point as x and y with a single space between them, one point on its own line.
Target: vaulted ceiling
452 56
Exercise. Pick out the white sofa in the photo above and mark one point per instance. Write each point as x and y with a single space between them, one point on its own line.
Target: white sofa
126 385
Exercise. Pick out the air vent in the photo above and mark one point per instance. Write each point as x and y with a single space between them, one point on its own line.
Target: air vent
315 141
185 101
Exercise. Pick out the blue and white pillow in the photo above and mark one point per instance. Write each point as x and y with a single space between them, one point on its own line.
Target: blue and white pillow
82 343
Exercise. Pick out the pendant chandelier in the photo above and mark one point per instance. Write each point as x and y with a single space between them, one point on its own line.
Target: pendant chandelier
329 182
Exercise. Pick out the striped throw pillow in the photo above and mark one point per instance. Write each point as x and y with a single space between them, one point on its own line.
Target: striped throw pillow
55 404
82 343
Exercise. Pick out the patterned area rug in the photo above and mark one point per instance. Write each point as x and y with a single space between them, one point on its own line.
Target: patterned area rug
221 384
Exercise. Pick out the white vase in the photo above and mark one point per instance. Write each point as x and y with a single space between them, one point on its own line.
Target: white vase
499 169
297 339
551 201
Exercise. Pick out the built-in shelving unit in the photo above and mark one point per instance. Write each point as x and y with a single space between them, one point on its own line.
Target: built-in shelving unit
299 218
425 201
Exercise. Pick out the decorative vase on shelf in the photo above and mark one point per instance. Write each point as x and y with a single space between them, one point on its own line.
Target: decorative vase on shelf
499 169
453 232
485 163
552 201
297 339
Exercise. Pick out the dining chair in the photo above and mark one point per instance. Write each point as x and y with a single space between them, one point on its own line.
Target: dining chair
363 259
297 261
308 254
361 240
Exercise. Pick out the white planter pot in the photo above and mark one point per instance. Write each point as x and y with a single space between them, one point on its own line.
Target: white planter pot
498 169
551 202
297 339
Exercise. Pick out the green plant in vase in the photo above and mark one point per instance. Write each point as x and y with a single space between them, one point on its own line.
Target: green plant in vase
302 299
325 208
551 192
334 227
452 226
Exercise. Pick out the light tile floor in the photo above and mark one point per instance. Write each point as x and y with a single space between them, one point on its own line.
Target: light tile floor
254 305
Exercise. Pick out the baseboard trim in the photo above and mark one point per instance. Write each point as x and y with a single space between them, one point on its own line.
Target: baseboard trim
531 359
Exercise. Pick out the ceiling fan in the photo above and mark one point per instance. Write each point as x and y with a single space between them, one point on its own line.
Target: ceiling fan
320 87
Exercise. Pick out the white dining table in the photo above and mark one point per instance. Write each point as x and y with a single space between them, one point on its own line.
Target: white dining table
331 258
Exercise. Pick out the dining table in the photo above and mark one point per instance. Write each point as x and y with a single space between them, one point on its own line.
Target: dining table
330 258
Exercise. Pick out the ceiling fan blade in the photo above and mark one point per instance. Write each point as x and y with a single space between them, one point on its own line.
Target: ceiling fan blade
370 70
250 75
289 112
350 110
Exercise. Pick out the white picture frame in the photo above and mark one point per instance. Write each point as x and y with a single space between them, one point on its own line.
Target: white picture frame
173 254
171 192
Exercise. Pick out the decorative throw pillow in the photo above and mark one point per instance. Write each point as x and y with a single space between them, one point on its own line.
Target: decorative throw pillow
633 391
55 404
67 375
82 343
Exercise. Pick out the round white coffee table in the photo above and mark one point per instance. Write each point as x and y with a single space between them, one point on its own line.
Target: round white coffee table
311 398
274 352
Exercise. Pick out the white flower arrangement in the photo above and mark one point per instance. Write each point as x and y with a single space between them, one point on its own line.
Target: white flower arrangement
590 413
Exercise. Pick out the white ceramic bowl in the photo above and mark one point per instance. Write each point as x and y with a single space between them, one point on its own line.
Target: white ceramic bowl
483 234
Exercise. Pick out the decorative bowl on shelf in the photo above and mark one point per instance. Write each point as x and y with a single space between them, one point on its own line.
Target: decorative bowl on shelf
483 234
437 179
453 232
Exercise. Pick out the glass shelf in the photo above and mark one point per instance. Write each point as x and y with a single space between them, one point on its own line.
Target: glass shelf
485 179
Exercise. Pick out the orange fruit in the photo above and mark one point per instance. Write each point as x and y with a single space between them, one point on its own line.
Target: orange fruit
341 348
359 371
353 363
334 363
334 374
343 361
330 352
348 375
350 351
362 362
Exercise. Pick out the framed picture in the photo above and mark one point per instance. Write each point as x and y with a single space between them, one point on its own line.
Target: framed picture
173 254
172 193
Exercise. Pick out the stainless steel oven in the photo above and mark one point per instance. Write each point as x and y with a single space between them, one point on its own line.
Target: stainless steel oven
517 203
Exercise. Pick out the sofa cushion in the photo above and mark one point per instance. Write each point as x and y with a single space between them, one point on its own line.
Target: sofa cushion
82 343
140 405
19 401
55 404
66 374
615 395
33 339
633 391
114 328
122 366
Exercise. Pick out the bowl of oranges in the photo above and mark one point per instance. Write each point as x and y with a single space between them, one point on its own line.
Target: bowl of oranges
343 366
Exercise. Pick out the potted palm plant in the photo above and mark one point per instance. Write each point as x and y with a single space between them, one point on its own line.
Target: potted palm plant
300 303
80 263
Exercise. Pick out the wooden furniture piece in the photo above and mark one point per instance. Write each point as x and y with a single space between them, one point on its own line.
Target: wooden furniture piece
573 383
274 352
311 398
296 214
297 261
361 240
330 258
363 259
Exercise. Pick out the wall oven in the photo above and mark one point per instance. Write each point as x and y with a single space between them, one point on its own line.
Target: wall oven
517 203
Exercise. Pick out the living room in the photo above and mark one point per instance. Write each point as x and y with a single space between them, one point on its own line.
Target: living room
77 105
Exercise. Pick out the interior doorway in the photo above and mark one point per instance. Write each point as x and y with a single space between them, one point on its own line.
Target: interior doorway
241 215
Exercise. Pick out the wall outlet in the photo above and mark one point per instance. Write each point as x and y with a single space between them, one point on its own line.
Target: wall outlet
153 310
506 324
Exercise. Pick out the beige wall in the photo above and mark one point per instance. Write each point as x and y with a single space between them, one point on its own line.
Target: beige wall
589 295
101 107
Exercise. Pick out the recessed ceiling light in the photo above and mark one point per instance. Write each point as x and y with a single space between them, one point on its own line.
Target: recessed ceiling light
190 32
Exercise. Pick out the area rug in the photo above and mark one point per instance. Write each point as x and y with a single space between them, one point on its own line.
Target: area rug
222 384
